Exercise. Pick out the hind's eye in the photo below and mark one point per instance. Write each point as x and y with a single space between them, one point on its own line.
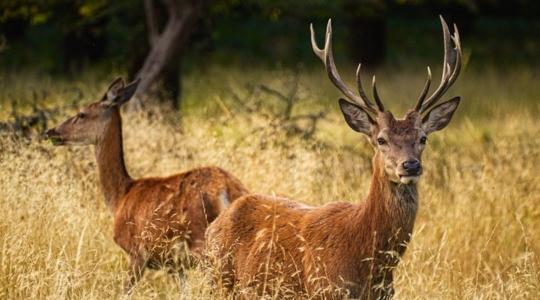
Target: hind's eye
423 140
81 115
381 141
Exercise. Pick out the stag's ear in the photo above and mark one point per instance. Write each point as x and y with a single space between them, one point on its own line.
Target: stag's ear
357 118
118 93
439 116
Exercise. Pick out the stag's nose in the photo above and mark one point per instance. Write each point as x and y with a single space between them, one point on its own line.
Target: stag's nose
412 167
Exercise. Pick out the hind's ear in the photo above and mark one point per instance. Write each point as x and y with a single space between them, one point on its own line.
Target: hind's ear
118 93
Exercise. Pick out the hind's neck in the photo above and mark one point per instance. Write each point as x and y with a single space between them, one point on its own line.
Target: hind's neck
114 178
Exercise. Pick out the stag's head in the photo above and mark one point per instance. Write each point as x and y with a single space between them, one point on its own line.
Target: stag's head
400 141
88 126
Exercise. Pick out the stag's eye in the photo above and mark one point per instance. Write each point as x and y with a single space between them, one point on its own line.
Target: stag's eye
81 115
381 141
423 140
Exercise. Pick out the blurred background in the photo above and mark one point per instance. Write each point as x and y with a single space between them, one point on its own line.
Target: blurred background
235 84
161 41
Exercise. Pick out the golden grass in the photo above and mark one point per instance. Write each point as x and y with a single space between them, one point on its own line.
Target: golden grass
476 234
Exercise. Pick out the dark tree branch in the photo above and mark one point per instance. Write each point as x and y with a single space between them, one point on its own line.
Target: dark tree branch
273 92
168 45
151 23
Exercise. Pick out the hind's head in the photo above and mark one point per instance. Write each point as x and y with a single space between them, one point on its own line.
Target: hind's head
90 123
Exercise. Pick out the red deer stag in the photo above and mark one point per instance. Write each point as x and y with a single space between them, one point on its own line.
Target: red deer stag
341 248
154 218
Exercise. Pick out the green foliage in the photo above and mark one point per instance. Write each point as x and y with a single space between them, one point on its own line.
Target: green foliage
112 34
39 12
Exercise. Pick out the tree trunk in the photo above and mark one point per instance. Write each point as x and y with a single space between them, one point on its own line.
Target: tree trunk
163 60
368 40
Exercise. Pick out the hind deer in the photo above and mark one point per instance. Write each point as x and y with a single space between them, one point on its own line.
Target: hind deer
156 220
264 243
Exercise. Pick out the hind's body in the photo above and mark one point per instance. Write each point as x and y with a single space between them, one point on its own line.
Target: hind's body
157 221
159 215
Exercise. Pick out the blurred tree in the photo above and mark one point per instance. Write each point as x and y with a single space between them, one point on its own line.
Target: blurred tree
365 21
166 45
150 38
85 27
367 24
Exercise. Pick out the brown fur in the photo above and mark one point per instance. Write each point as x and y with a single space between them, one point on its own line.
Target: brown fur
341 245
157 221
156 211
267 243
263 242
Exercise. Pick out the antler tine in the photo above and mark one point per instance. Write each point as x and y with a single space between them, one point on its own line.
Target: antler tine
447 40
451 65
328 59
424 91
457 68
380 105
361 89
319 52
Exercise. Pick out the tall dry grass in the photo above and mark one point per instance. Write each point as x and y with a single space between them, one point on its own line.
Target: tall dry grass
476 234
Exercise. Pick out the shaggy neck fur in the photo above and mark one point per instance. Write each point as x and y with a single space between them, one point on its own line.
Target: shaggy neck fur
115 180
388 214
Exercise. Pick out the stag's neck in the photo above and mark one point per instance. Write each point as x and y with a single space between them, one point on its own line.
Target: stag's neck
390 210
114 178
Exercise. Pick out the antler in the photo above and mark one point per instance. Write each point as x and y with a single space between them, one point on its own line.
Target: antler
327 58
450 72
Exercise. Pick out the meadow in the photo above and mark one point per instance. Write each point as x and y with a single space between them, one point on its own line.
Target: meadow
476 234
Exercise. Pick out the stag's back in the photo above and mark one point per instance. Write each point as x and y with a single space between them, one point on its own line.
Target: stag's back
275 243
